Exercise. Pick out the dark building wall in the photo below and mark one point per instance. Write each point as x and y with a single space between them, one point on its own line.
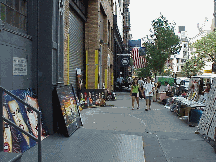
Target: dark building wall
39 46
45 61
16 42
11 46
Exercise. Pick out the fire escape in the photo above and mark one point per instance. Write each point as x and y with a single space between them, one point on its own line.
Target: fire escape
126 27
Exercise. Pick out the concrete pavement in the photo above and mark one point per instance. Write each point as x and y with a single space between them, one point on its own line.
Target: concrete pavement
119 134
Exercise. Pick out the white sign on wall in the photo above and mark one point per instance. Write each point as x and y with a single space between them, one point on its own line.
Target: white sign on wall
79 72
19 66
108 60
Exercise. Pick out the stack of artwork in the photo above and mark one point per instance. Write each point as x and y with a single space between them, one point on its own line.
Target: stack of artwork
92 98
207 123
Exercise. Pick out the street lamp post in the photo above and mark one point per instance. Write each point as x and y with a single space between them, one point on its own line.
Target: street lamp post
214 31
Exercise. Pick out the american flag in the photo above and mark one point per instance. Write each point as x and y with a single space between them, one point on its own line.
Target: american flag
139 61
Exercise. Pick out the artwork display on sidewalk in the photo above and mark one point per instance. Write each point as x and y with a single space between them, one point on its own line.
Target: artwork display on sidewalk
22 116
69 108
92 97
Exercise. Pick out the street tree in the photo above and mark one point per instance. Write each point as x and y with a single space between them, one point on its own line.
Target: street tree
162 44
206 47
144 72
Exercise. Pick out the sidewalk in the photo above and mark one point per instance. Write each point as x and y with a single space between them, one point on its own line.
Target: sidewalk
89 145
119 134
94 142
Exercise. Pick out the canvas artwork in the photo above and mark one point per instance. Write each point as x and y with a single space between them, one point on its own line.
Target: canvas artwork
22 116
69 108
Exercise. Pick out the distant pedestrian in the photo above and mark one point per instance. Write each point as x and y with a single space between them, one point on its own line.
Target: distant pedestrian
148 88
155 92
135 92
207 90
168 88
120 81
141 83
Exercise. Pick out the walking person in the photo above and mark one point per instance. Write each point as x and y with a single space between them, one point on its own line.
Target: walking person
120 81
141 83
155 93
148 88
135 92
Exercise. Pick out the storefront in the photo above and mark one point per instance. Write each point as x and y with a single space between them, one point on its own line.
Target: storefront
76 46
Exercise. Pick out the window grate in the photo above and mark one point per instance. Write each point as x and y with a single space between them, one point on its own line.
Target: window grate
14 12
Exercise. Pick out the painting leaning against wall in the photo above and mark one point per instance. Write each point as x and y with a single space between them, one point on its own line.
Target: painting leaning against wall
22 116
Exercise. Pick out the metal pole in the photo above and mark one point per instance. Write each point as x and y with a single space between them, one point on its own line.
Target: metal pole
100 68
214 14
39 116
214 23
39 138
1 122
188 46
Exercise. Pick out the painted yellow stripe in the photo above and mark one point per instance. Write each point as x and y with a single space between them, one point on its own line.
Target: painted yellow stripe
68 61
105 78
86 69
96 69
112 80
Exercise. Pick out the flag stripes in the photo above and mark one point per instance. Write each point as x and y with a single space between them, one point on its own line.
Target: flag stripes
139 61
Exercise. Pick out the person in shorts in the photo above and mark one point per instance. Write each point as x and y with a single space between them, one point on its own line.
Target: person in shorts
135 93
148 88
141 83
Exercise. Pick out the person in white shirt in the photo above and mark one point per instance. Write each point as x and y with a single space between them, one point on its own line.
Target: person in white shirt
120 81
168 88
148 88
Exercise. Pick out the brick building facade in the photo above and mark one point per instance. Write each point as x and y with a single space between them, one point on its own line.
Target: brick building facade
99 45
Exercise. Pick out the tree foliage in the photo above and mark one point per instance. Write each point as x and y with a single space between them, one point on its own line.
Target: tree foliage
193 66
205 49
162 45
144 72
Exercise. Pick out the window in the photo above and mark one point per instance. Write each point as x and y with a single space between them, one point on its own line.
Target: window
14 12
177 60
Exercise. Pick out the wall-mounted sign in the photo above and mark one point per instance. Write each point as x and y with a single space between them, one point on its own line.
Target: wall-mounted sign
19 66
207 71
79 71
125 60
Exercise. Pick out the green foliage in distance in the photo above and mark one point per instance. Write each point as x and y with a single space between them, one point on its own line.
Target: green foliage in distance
193 66
205 49
167 73
162 45
144 72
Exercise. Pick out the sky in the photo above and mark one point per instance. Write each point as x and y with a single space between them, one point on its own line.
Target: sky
186 13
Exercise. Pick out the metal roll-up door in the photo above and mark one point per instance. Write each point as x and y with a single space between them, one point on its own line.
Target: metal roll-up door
76 32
